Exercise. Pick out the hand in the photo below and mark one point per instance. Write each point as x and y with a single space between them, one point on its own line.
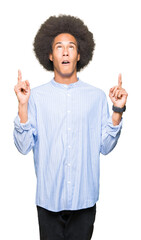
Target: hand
22 90
118 95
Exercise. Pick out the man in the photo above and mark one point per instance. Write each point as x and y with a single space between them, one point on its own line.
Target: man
67 124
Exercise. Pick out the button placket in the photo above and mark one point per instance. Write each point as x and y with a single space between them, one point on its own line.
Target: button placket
69 144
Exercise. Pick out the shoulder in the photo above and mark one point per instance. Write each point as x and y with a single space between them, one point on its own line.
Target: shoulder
38 92
94 90
40 89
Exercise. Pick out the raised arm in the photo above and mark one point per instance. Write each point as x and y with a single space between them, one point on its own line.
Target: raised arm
22 90
111 126
25 128
118 96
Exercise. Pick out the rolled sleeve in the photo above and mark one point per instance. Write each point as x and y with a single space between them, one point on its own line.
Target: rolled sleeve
113 130
20 127
110 133
25 134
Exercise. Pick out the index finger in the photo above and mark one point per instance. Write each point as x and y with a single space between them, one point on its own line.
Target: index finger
19 76
119 81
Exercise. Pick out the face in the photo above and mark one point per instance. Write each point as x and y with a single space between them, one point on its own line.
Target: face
64 55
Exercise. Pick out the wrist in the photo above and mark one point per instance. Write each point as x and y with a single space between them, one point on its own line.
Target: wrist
116 118
23 106
119 109
23 112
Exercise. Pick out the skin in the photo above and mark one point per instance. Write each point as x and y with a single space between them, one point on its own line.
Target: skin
65 48
118 96
22 90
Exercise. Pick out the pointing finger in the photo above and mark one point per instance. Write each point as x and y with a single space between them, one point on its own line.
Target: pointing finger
120 81
19 76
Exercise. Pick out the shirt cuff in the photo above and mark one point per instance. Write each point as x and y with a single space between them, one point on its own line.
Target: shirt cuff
20 127
113 130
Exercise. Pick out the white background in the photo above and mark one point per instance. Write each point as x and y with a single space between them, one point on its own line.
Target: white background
117 32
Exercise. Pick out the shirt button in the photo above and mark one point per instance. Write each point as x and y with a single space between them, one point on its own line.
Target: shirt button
69 164
68 94
69 182
68 111
69 146
69 129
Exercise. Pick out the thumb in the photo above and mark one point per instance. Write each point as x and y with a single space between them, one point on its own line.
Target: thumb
27 83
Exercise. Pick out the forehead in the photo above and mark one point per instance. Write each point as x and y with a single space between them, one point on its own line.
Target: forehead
64 38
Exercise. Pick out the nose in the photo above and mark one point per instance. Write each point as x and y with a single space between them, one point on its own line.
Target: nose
65 52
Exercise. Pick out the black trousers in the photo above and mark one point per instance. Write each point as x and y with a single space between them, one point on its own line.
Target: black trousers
66 225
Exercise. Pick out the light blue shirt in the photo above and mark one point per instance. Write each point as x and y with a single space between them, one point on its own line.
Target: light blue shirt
68 127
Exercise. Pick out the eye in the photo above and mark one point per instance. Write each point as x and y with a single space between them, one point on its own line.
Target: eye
71 47
59 46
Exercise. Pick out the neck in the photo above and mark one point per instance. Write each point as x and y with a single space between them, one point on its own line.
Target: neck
65 79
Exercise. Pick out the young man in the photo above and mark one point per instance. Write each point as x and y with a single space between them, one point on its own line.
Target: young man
67 124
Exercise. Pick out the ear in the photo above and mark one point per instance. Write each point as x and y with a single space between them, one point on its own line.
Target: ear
78 58
50 57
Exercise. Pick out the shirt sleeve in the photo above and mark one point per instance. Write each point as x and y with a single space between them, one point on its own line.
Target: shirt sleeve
25 134
109 133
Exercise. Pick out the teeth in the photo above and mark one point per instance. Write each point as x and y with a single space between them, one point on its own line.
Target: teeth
64 62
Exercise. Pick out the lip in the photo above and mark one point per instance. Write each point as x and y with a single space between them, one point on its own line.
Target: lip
65 64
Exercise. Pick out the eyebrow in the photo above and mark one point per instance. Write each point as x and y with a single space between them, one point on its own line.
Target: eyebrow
69 43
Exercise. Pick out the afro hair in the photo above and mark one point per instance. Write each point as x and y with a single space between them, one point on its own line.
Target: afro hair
54 26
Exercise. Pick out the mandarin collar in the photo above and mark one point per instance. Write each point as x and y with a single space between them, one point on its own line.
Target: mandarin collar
66 86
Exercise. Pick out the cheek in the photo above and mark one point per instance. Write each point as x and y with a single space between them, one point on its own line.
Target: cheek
56 57
57 54
75 57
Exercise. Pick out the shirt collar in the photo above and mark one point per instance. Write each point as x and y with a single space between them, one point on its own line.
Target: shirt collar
66 86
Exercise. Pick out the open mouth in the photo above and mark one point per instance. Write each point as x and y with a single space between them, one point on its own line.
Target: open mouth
65 62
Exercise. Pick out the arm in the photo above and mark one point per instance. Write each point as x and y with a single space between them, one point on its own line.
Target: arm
22 90
118 96
109 133
111 126
25 133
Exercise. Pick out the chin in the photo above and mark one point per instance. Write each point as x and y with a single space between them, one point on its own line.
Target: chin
67 74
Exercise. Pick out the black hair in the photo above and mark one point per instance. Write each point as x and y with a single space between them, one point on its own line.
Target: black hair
54 26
